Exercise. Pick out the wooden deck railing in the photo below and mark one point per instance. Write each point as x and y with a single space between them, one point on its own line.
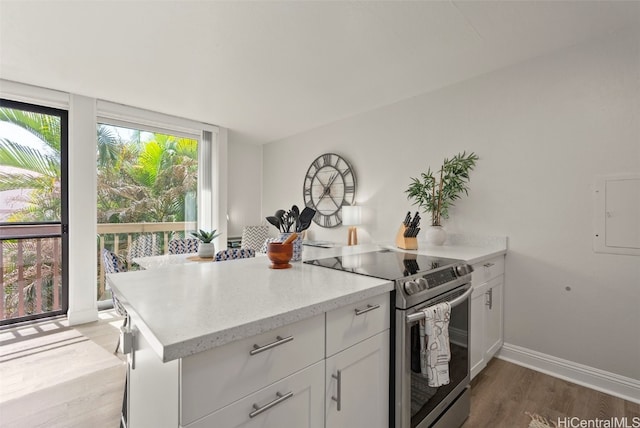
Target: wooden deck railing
31 280
121 238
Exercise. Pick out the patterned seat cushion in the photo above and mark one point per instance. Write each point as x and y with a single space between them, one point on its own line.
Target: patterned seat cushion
183 246
144 245
112 263
254 236
235 253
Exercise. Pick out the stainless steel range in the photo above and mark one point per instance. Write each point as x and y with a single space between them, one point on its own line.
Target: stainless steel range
420 281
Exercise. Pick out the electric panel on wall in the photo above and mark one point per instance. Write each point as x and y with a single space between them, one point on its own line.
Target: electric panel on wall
617 214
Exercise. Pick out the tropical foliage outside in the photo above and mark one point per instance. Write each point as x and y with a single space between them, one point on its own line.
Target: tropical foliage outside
142 177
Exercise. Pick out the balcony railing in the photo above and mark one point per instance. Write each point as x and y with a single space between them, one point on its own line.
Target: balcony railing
130 240
31 280
30 262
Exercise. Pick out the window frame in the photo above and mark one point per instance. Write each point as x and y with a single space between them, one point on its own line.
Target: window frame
63 114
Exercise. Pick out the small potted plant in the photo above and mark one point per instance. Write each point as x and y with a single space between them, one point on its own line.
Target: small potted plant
285 221
206 249
436 196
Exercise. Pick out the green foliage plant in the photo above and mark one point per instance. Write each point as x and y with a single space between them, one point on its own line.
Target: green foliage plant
437 196
205 237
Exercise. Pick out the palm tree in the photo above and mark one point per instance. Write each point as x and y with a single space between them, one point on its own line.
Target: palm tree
150 181
30 168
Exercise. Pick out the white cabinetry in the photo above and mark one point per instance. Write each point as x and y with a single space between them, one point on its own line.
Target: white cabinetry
486 312
357 365
295 401
282 378
217 377
152 387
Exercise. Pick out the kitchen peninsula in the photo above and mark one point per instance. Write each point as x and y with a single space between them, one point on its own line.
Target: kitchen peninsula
212 340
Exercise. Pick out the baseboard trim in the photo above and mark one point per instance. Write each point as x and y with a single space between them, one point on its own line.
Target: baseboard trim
82 317
600 380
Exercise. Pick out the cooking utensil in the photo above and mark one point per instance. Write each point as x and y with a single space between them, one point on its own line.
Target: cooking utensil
305 219
274 221
295 212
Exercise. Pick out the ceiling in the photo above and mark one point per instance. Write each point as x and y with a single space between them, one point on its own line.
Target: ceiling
267 70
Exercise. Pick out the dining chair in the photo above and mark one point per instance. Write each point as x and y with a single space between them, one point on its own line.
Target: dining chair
144 245
254 236
113 264
183 245
234 253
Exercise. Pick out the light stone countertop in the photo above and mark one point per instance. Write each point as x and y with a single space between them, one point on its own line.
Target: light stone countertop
183 309
188 308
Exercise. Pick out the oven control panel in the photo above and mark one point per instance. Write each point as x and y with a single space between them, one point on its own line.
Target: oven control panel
430 280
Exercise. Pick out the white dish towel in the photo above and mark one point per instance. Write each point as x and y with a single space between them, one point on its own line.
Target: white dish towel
435 353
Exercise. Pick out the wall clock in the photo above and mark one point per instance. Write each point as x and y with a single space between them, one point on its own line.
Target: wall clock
330 184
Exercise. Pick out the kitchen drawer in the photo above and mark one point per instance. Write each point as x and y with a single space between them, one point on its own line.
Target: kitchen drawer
486 270
304 407
215 378
351 324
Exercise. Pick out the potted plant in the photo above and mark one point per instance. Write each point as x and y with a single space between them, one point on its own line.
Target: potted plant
206 249
436 195
285 221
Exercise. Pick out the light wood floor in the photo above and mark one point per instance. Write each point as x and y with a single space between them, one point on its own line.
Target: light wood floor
53 375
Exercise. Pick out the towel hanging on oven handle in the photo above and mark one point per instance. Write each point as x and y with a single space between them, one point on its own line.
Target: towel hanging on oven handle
455 302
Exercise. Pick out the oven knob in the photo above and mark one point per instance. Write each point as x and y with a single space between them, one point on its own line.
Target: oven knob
422 283
411 287
462 270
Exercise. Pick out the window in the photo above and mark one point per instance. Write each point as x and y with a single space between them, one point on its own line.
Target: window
152 180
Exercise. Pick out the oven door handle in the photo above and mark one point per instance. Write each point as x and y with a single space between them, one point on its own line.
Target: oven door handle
455 302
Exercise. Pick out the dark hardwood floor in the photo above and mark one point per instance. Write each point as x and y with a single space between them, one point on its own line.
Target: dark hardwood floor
503 392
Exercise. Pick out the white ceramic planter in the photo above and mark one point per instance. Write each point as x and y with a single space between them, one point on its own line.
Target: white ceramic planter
435 235
206 250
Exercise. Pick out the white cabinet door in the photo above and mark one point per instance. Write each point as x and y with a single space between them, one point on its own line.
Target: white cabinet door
295 401
357 385
476 330
152 388
493 317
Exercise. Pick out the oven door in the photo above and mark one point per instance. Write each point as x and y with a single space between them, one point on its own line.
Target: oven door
417 404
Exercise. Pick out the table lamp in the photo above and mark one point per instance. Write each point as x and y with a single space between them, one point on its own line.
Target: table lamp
352 217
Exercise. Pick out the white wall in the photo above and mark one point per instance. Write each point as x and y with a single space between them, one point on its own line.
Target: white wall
543 130
244 197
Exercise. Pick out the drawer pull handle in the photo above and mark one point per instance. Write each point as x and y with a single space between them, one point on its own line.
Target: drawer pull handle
367 309
488 265
489 302
280 341
338 397
280 399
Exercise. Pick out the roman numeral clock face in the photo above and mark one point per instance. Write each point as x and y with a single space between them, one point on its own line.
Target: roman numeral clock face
329 185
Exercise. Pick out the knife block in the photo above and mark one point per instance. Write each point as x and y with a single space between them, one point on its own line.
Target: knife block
405 243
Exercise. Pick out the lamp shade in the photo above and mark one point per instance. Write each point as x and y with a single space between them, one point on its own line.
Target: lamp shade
351 215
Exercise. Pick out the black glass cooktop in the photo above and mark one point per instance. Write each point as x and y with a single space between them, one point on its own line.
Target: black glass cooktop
385 264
